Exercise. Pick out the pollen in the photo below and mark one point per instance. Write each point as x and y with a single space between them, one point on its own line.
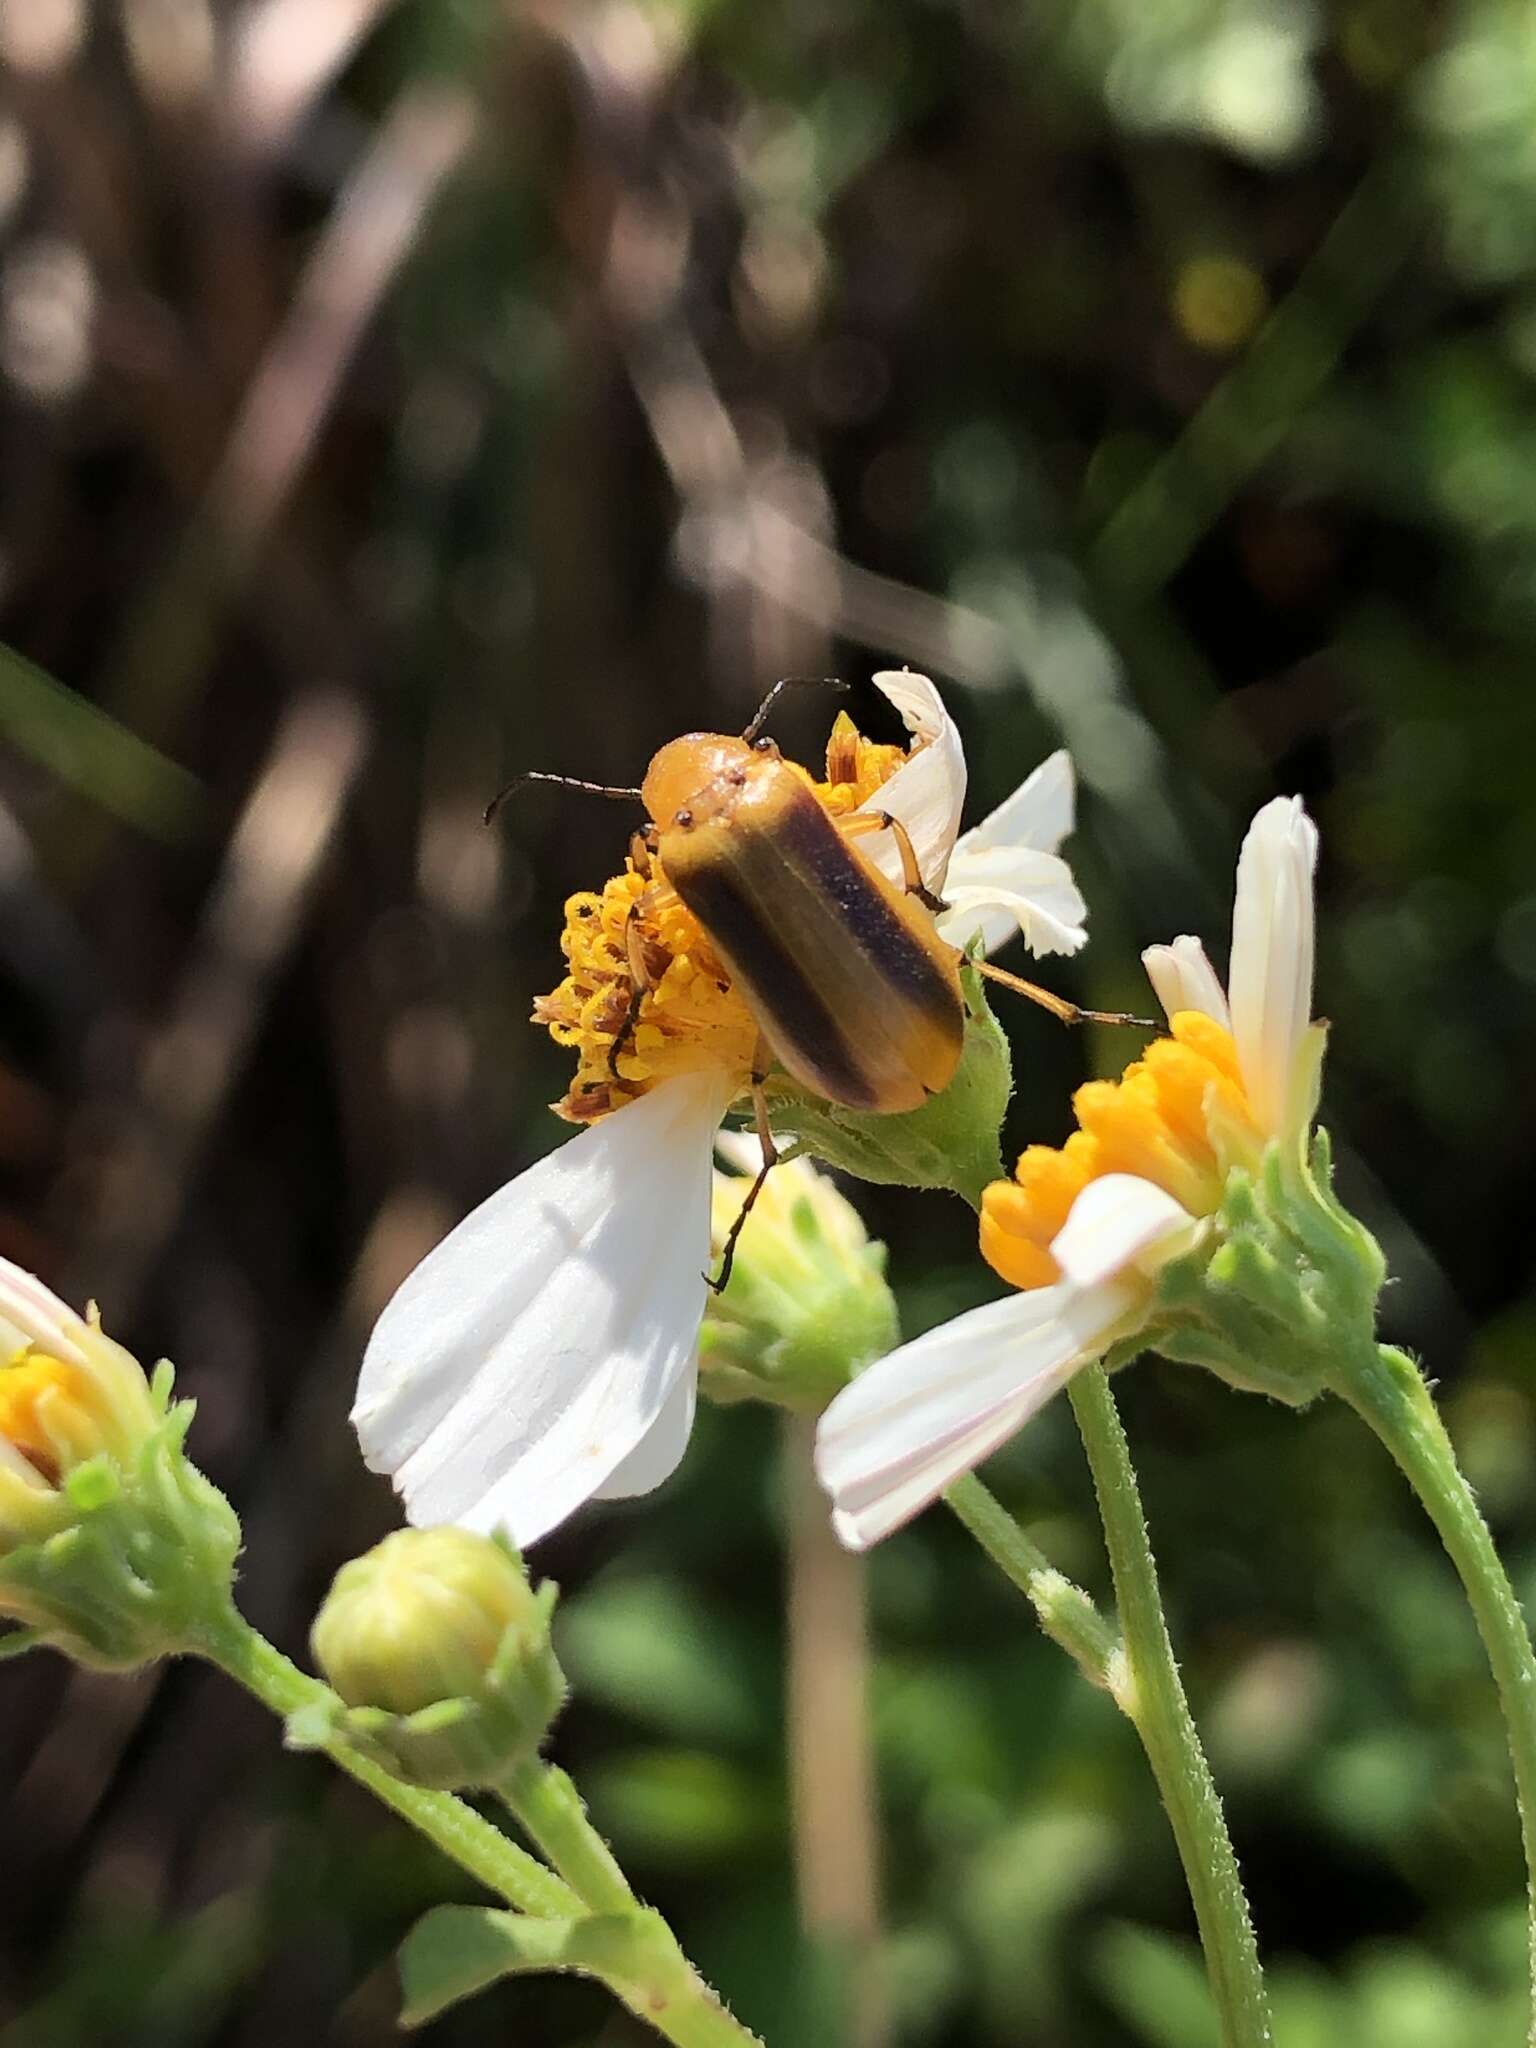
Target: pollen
1155 1121
856 767
688 1017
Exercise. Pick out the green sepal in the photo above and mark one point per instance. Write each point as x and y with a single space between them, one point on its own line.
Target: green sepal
952 1142
140 1555
1285 1284
455 1951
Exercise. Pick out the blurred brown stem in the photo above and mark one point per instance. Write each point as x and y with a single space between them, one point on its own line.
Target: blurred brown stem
832 1794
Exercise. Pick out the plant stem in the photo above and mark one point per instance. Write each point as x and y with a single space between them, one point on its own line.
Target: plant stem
1386 1389
835 1833
655 1980
229 1641
546 1804
1152 1695
1065 1611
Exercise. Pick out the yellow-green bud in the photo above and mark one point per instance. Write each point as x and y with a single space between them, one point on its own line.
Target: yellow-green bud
438 1649
113 1547
807 1305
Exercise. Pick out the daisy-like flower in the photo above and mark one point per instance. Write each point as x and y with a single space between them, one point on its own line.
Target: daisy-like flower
545 1353
112 1545
1085 1232
68 1394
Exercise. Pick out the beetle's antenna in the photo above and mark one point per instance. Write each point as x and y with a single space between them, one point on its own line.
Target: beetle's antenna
789 683
565 781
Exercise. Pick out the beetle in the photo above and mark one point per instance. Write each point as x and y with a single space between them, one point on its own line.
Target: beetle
854 992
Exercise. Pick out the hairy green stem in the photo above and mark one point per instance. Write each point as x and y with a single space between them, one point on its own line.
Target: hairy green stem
547 1806
655 1979
657 1982
1152 1695
1387 1390
1065 1612
229 1641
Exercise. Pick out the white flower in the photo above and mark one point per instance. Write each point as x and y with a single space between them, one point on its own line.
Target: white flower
927 1413
545 1353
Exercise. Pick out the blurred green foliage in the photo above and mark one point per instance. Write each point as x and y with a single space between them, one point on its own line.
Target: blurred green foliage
1161 378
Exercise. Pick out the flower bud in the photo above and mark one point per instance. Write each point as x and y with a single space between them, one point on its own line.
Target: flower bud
113 1547
439 1651
807 1305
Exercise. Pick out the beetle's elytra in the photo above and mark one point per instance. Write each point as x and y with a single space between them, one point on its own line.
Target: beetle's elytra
857 996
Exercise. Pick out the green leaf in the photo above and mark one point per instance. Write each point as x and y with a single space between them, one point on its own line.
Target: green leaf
1158 1987
15 1642
94 755
455 1951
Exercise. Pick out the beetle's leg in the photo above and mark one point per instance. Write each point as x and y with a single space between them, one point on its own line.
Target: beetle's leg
660 896
1069 1013
862 822
770 1161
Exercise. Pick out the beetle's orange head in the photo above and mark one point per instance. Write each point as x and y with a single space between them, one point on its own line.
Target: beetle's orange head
695 775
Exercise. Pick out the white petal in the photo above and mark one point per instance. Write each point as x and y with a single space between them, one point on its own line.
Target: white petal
927 792
1039 814
1184 979
903 1431
1272 946
660 1451
37 1316
531 1352
1000 890
1120 1221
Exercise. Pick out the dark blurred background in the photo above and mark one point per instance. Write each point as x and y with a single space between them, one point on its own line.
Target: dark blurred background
397 393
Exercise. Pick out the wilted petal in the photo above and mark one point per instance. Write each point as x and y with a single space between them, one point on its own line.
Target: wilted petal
1000 890
1120 1221
927 792
919 1418
1184 979
1270 985
660 1451
530 1354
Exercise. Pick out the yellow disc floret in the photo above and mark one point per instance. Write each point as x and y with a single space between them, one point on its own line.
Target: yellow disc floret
690 1016
1155 1121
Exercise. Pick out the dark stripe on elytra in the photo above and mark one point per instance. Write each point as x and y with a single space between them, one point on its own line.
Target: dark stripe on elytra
792 1006
807 837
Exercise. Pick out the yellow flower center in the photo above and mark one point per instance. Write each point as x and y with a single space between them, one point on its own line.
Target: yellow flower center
691 1017
29 1388
1155 1122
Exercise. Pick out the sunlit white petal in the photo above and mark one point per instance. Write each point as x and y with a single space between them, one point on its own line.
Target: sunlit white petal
998 891
927 792
903 1431
1120 1221
1184 979
530 1354
1039 814
1270 985
660 1451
